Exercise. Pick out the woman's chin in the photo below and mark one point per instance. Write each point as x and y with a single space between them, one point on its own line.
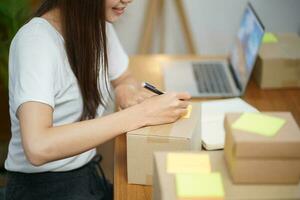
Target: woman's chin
112 18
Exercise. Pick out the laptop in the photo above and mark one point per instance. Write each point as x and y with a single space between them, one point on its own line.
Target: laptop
220 78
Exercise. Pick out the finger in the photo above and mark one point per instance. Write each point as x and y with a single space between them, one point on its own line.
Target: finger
123 106
140 99
184 104
181 112
147 95
183 96
184 112
131 103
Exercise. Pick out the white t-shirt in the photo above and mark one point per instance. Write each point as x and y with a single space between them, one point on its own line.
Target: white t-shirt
39 71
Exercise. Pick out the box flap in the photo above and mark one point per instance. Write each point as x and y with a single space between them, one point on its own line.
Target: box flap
285 144
183 128
287 47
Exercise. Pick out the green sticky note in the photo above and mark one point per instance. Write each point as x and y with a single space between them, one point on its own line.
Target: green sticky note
199 185
259 123
269 38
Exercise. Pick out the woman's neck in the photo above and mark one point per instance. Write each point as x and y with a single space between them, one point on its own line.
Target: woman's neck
53 17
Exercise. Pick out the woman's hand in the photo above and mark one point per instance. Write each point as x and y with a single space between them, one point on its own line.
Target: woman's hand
129 95
162 109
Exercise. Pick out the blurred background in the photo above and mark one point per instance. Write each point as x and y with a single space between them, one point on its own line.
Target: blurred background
213 24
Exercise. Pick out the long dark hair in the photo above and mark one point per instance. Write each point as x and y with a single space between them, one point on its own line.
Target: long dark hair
84 32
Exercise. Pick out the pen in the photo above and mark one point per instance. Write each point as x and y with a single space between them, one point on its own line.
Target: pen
152 88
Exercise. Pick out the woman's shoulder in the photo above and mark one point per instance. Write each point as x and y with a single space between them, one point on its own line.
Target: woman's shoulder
36 32
110 30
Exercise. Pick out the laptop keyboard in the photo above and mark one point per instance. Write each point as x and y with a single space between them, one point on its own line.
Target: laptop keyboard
211 78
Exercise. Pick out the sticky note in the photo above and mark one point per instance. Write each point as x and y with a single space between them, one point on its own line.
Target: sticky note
204 186
259 124
269 38
189 111
188 163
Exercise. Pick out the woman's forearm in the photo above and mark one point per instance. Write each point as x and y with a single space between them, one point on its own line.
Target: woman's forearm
60 142
44 143
127 80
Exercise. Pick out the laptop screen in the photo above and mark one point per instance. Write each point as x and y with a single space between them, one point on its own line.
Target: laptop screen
247 44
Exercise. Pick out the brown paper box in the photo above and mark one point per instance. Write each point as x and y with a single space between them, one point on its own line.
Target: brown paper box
164 187
278 64
252 158
142 143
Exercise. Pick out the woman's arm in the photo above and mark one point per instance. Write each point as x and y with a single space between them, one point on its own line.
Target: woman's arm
126 79
44 143
129 91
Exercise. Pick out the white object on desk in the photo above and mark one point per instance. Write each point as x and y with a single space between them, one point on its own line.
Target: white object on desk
212 120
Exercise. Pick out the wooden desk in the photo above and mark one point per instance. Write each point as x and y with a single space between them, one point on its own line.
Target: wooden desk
147 68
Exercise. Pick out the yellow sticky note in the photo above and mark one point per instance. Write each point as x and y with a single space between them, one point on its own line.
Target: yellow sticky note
189 111
188 163
269 38
204 186
259 123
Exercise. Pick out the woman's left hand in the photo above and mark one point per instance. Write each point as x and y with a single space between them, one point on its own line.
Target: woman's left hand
128 95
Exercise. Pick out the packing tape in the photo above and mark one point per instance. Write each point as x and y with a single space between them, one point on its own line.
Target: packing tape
149 179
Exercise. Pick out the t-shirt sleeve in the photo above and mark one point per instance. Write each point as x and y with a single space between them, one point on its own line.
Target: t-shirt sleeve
32 71
117 58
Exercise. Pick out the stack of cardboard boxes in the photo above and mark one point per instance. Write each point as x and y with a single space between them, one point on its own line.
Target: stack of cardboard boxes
165 185
262 161
261 158
182 135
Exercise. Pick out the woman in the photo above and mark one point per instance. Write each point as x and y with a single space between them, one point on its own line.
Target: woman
62 64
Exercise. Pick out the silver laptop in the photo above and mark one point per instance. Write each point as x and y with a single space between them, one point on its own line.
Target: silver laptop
220 78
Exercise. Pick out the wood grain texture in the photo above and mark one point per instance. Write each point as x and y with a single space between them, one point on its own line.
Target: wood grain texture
147 68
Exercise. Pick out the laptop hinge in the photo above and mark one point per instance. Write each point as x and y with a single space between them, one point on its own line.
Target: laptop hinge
236 81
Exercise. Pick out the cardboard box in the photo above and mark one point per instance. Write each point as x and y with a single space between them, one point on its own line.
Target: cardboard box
253 158
164 187
278 64
184 134
164 181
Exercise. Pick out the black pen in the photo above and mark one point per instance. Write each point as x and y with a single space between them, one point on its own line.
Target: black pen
152 88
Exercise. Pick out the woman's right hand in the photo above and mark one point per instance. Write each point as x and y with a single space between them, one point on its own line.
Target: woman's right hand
162 109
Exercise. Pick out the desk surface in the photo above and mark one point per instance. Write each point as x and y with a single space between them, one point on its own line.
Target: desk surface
147 68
